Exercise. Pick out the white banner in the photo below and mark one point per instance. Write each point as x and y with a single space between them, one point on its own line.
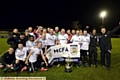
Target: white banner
62 51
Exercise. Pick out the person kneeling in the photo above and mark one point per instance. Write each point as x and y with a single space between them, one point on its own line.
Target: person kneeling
7 60
35 57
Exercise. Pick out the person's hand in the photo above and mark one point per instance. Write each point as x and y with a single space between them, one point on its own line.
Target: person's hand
80 43
11 65
119 23
8 66
14 35
23 59
46 64
26 62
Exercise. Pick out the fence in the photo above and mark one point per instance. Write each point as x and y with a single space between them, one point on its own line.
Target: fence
4 33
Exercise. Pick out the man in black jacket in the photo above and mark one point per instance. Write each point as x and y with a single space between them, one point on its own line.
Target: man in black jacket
13 40
106 46
22 39
8 59
93 48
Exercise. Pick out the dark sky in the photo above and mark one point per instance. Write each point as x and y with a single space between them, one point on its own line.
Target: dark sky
49 13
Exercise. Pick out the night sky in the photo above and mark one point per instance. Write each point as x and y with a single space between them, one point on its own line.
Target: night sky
49 13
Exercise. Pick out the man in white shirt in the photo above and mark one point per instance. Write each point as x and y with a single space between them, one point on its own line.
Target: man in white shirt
44 42
51 38
20 55
76 39
30 43
34 60
63 37
84 47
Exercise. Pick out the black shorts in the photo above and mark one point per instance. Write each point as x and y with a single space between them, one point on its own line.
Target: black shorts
43 50
48 46
83 53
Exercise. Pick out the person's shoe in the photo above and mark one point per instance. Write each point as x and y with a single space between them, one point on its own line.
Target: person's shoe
16 73
29 70
43 69
89 65
102 65
4 71
24 68
80 63
36 69
85 64
95 65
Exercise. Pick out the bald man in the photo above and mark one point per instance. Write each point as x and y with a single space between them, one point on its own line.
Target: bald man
106 46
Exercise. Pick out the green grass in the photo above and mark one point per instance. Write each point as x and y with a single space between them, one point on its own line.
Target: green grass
81 73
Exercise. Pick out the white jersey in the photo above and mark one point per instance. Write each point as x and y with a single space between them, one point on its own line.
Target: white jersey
85 42
44 42
21 54
51 39
36 52
30 44
76 39
63 38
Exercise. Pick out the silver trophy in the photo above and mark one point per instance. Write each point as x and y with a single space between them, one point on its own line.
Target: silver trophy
67 65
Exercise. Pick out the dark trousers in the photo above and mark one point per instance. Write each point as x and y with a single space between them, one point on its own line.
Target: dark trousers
106 55
83 55
20 65
93 54
32 66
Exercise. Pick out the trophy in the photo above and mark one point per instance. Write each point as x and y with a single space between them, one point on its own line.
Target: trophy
67 66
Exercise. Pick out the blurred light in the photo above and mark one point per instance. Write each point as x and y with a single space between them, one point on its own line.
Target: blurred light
103 14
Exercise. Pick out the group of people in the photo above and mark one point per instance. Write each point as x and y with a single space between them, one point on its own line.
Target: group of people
28 50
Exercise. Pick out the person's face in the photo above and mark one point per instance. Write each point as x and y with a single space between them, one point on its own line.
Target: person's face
77 32
94 32
56 29
73 31
68 31
15 30
26 33
51 30
48 29
22 36
85 32
20 46
11 50
63 31
39 44
103 30
80 32
31 38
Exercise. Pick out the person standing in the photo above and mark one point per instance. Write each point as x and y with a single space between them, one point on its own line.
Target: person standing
63 37
106 46
84 47
93 48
